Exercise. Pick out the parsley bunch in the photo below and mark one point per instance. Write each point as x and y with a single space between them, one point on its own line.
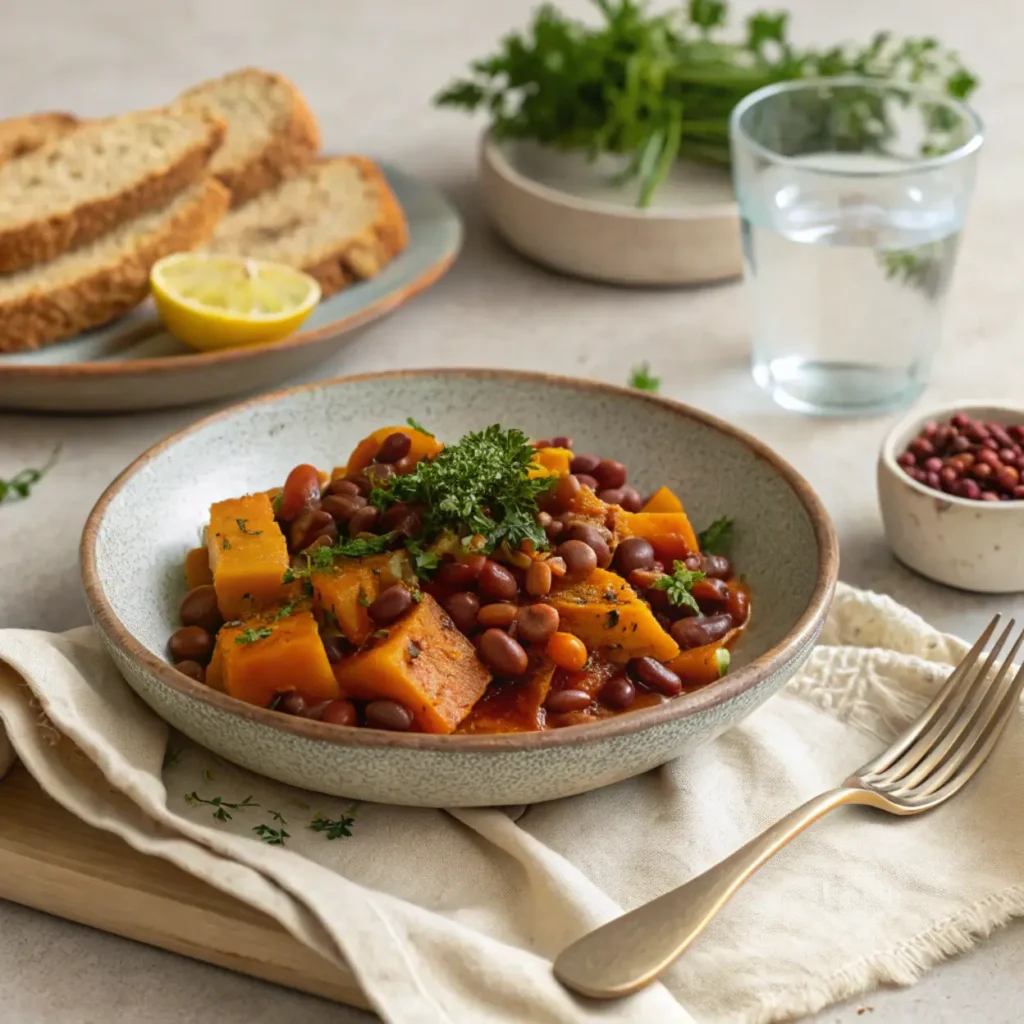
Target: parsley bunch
677 586
480 485
661 87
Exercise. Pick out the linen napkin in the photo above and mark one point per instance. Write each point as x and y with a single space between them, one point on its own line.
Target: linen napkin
453 917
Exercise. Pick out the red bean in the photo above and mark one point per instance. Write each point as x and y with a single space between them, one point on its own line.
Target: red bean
960 420
499 615
311 525
457 575
613 496
1008 477
657 676
291 703
1018 494
191 643
561 441
586 480
696 632
710 594
538 579
342 506
716 566
463 608
408 525
990 496
405 466
554 528
619 692
300 493
580 559
906 460
502 654
193 670
632 501
340 486
632 554
199 608
592 537
584 464
316 711
340 712
561 701
496 582
545 443
565 491
334 647
388 714
394 447
967 489
390 605
610 474
537 623
738 606
364 520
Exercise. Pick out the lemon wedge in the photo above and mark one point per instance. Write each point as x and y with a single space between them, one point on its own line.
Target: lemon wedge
215 302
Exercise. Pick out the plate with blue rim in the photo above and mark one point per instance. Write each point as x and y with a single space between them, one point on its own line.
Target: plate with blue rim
133 364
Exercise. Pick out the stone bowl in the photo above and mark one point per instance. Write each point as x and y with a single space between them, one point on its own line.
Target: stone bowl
136 538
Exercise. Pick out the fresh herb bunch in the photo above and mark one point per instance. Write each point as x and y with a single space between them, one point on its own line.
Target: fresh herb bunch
479 486
641 379
660 87
677 586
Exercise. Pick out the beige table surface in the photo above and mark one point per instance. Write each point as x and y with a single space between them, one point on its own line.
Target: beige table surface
368 67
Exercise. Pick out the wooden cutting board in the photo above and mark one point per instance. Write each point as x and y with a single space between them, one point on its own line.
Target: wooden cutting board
52 861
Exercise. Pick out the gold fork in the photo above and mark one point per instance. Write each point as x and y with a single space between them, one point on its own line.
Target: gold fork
923 768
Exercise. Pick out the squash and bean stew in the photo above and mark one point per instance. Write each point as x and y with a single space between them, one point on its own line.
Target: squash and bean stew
493 585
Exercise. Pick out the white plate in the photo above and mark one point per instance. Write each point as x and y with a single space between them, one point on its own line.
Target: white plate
133 364
570 214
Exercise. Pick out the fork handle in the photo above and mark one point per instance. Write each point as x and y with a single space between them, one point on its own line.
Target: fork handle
631 951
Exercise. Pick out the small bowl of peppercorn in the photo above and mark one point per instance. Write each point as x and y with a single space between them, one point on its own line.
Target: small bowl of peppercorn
951 489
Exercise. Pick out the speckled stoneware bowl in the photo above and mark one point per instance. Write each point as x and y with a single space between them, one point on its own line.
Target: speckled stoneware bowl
137 536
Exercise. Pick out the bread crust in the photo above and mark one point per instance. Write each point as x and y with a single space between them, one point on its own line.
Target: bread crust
100 295
365 255
23 245
21 135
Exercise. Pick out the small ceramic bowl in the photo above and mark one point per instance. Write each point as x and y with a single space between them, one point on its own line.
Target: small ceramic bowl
136 538
570 214
972 545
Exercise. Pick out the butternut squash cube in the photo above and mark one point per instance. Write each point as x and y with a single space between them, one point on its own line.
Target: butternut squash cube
351 586
266 655
248 555
656 524
423 447
424 663
550 462
663 499
605 613
197 568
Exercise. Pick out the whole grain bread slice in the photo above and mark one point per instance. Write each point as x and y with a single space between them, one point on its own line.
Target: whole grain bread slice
271 132
110 276
21 135
76 188
338 221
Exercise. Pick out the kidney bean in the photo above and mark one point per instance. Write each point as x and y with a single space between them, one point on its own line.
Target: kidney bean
989 457
696 632
693 562
499 615
300 493
976 432
906 459
408 525
657 676
1007 478
340 486
967 489
990 496
199 608
390 605
1008 456
291 703
710 594
1016 432
405 466
538 579
554 529
561 441
592 537
933 481
311 525
584 464
981 471
612 496
922 448
496 582
341 712
193 670
934 464
716 566
960 420
619 692
738 606
394 447
565 491
334 647
631 499
364 520
463 608
377 475
632 554
998 432
580 559
586 480
537 623
560 701
610 474
388 714
395 514
191 643
316 711
502 654
541 444
342 507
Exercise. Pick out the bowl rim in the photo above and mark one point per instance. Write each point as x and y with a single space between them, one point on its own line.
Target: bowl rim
496 159
913 421
730 686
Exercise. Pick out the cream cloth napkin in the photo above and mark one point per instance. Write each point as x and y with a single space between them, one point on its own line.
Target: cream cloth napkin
452 917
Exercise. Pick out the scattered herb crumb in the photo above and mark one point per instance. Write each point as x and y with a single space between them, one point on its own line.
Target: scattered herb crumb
208 775
417 596
20 485
277 816
335 828
226 544
219 804
642 380
172 756
271 836
284 611
413 650
364 601
418 426
250 636
245 529
381 634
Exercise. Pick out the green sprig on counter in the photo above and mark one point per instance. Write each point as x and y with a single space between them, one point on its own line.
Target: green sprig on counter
659 87
20 485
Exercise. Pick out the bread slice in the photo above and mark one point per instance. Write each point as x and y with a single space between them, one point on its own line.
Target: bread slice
271 133
20 135
78 187
338 221
100 281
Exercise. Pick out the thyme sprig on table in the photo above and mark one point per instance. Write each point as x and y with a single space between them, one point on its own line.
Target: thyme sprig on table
20 485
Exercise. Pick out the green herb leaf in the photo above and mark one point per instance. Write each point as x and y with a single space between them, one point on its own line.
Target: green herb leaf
381 634
364 601
284 611
334 828
20 485
250 636
418 426
413 650
219 804
242 527
226 544
642 380
271 836
677 586
717 538
424 563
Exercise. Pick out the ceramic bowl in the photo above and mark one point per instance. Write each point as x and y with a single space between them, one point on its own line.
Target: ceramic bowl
571 215
972 545
136 538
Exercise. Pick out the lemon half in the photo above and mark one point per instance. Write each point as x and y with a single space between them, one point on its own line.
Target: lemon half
214 302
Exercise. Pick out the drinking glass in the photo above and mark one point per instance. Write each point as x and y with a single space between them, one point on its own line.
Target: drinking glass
852 196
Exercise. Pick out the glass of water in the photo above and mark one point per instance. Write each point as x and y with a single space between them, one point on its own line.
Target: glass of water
852 195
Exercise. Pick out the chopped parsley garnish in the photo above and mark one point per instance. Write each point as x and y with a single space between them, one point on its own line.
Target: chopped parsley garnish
478 486
382 634
284 611
641 379
244 529
250 636
717 538
226 544
414 650
271 836
417 596
418 426
322 558
364 601
334 828
677 586
423 562
20 485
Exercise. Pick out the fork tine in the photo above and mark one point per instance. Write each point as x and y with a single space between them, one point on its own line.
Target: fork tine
939 702
984 744
946 730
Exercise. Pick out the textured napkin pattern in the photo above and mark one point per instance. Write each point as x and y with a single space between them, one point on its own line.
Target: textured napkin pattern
453 916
